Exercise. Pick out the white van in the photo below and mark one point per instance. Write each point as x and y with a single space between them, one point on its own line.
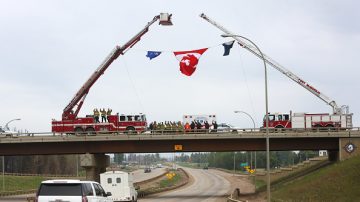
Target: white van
71 191
120 184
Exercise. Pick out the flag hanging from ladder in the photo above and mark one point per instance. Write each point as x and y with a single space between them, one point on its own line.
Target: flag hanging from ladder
189 60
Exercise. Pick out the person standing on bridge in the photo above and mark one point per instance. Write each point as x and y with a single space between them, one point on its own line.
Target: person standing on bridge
198 126
207 126
103 115
96 115
187 127
215 125
192 126
108 113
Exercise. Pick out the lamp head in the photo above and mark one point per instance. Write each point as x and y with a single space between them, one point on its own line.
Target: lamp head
230 35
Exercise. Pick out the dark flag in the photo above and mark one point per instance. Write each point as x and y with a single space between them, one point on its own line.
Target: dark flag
152 54
227 47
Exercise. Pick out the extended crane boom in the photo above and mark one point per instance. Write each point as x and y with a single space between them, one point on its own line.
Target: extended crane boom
273 63
78 100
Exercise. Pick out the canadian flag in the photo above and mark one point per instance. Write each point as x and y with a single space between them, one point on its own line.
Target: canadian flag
188 60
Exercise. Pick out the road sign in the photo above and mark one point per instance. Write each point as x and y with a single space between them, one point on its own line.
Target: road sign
349 147
178 147
243 164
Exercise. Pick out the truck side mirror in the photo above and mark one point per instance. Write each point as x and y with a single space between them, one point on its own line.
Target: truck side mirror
108 194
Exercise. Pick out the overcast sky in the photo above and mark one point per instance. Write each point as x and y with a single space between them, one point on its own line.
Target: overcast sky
49 49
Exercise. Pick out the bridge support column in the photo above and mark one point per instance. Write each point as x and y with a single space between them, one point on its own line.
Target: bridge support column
94 164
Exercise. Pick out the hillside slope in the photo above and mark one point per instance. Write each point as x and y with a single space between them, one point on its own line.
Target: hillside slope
337 182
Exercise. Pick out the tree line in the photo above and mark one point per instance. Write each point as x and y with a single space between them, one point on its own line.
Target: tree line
70 165
42 164
226 159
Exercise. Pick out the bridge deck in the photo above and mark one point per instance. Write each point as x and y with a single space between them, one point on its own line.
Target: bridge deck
165 142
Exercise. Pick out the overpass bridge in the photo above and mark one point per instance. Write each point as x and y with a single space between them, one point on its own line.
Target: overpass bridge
96 146
168 141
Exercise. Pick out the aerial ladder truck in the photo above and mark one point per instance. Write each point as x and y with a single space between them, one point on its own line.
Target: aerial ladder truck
71 123
340 118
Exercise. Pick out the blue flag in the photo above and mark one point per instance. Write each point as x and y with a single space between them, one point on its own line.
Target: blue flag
152 54
227 47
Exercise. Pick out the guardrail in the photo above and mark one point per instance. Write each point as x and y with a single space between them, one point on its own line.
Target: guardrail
17 192
42 175
196 131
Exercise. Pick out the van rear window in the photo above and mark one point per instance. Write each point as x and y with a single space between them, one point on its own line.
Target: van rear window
59 189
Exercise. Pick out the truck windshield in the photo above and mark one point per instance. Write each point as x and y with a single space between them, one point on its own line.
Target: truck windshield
271 117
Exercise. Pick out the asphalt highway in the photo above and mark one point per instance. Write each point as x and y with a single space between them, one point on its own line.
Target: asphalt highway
206 185
139 175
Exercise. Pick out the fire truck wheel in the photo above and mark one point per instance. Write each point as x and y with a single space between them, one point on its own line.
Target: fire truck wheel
317 127
330 127
130 130
279 128
78 131
90 131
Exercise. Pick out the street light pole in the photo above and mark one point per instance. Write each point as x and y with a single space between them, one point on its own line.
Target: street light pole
234 163
6 127
7 124
266 111
254 127
3 173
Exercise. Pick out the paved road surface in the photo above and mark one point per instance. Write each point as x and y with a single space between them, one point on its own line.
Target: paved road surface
207 186
139 175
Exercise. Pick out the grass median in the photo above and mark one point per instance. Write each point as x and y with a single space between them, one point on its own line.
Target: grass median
19 183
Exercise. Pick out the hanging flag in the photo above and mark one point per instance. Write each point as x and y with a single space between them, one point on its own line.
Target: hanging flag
152 54
227 47
189 60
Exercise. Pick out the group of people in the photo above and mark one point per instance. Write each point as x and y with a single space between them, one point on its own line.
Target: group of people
104 115
194 126
166 126
197 126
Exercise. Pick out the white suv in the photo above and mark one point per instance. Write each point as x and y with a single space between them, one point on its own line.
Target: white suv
71 191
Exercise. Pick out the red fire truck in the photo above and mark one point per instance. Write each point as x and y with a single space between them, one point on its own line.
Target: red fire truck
341 118
308 121
71 123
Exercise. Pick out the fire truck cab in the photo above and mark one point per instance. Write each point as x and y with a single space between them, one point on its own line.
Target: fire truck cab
278 120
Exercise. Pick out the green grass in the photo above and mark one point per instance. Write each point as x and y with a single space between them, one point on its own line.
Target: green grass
14 183
337 182
170 182
260 183
192 165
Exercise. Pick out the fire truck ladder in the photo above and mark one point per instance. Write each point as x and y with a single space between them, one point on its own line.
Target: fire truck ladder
336 110
78 100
